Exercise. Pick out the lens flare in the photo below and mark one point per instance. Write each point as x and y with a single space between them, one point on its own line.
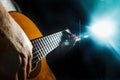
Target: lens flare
102 28
104 25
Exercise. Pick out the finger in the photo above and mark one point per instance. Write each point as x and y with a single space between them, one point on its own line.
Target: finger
22 69
29 65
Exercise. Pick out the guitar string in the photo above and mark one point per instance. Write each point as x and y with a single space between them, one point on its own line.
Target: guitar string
35 57
44 46
38 49
54 37
40 45
45 41
37 52
51 41
34 48
56 40
48 43
41 48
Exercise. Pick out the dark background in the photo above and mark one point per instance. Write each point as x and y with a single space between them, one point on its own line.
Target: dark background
85 61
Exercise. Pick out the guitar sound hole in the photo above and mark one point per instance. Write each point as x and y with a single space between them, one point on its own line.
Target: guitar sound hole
36 67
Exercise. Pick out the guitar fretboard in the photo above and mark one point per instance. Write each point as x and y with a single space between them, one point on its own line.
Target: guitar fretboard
43 46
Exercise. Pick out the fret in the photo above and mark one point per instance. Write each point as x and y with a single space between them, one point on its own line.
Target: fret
54 39
34 48
42 42
37 47
51 42
45 48
35 55
47 44
57 39
40 49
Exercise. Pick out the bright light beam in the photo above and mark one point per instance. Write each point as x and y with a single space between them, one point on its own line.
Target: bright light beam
102 28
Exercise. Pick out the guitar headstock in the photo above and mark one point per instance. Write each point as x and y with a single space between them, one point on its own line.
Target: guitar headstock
68 38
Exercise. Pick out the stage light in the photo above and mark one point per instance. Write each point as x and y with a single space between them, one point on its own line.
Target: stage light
104 25
103 28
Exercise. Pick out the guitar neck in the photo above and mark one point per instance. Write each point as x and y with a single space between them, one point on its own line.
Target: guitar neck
43 46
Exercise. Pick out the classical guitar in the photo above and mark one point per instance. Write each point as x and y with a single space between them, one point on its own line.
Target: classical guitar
41 47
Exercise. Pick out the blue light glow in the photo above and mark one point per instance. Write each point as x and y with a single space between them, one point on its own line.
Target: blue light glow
105 25
103 28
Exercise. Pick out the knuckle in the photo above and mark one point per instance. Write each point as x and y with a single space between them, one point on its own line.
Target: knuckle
31 55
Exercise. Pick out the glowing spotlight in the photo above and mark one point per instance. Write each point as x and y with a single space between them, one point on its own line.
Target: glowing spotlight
102 28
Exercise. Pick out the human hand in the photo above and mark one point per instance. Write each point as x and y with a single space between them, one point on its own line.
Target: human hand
15 49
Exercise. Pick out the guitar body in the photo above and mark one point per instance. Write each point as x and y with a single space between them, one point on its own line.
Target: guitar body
41 71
